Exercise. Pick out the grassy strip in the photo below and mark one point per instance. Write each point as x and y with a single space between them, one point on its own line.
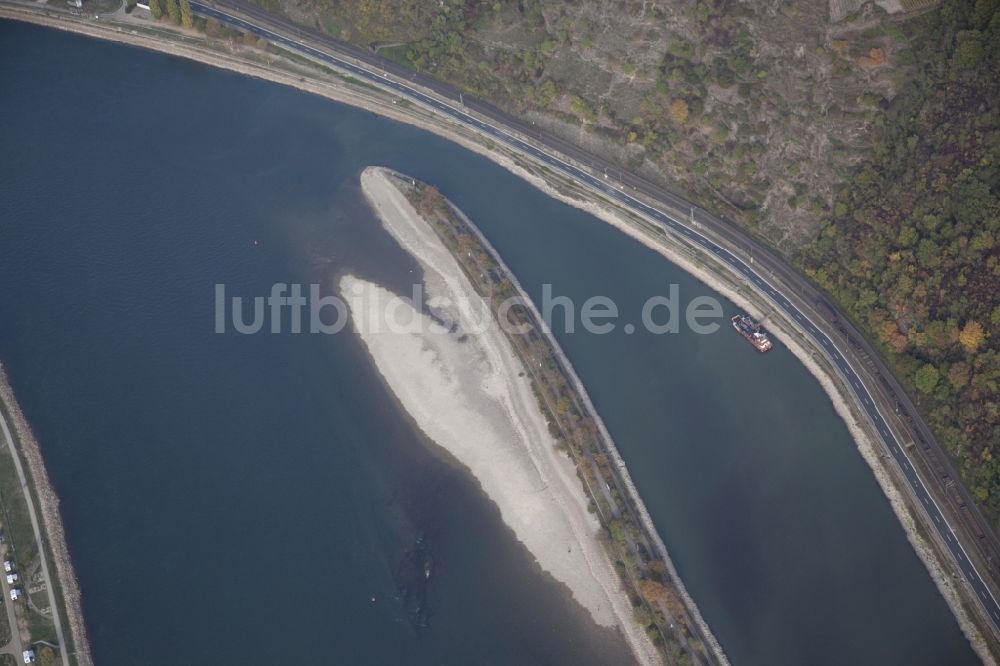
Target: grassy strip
4 624
19 537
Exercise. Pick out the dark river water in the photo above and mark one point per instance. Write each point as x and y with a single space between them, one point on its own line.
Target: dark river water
252 499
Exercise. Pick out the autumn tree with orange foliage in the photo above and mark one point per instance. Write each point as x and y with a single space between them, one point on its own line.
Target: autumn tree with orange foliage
679 111
874 58
972 336
656 592
430 200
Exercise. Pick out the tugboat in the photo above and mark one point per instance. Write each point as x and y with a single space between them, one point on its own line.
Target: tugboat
752 332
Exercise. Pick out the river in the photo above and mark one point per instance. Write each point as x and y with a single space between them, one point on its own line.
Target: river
261 499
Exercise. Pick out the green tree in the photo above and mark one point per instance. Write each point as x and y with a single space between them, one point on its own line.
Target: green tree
642 615
46 656
155 8
926 378
907 236
969 52
187 18
928 253
580 107
546 93
174 12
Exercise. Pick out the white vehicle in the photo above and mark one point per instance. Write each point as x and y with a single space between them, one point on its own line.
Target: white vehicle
15 593
29 656
11 578
8 566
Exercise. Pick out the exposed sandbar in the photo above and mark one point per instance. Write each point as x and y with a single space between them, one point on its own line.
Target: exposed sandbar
467 390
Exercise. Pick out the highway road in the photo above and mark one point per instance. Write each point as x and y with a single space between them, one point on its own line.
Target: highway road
689 234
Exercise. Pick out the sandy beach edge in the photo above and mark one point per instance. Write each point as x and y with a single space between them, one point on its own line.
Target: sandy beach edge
669 248
52 524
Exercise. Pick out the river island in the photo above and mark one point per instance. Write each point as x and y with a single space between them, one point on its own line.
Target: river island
481 375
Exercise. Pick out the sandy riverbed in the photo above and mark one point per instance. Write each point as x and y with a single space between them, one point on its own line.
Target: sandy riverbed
467 391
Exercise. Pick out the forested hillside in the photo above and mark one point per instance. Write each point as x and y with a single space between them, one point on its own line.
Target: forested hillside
912 249
755 109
